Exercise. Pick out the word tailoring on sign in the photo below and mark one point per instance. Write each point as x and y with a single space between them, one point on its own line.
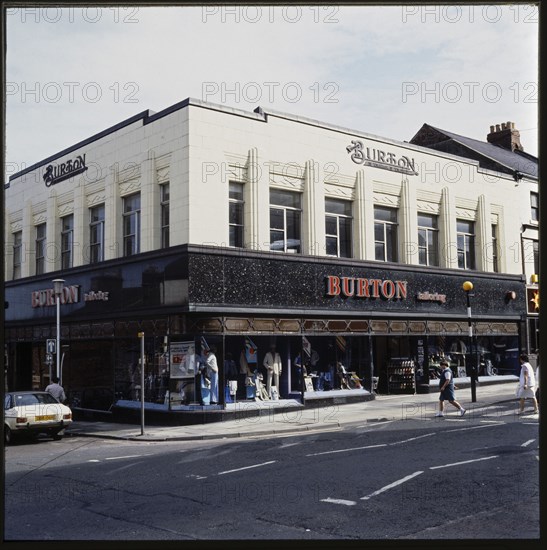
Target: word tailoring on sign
431 297
380 159
59 172
360 287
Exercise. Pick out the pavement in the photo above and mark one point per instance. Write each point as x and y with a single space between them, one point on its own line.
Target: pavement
492 400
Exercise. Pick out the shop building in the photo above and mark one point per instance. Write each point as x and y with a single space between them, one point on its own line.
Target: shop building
205 225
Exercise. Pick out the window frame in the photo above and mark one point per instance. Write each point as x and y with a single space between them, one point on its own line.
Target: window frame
467 252
132 216
98 244
17 254
67 241
534 206
236 229
40 248
297 226
340 219
164 214
387 226
429 231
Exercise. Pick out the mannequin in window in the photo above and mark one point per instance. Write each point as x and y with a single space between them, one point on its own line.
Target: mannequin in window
272 363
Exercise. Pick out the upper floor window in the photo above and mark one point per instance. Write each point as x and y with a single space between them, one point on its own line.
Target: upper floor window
285 221
428 239
17 254
385 234
67 241
534 204
338 228
96 234
40 248
236 214
132 224
164 205
495 249
466 244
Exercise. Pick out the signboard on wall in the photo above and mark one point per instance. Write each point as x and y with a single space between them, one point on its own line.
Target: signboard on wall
183 359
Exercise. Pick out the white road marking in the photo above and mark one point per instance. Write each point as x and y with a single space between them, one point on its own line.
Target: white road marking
93 460
527 443
493 421
246 467
412 439
473 428
116 470
347 450
339 501
120 457
391 485
464 462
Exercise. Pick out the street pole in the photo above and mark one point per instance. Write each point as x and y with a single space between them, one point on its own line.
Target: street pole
468 286
141 336
58 289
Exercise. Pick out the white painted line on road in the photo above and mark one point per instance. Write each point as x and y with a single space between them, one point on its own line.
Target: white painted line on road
391 485
120 457
339 501
347 450
116 470
93 460
473 428
464 462
412 439
525 444
493 421
246 467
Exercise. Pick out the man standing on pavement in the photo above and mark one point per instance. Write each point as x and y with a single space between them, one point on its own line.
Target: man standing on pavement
56 390
446 386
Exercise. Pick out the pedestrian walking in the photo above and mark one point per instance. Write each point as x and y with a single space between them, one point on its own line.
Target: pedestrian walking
527 384
212 373
446 387
56 390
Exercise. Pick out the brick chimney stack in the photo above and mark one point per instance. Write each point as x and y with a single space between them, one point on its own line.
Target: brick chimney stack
505 136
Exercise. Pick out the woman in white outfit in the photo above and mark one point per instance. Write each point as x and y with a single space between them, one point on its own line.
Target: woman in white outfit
527 384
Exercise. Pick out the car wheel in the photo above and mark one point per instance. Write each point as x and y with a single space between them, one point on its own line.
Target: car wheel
57 436
7 435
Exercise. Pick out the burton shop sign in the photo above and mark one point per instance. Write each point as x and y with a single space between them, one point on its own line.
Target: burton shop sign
360 287
59 172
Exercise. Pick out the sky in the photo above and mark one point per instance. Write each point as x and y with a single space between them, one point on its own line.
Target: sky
381 70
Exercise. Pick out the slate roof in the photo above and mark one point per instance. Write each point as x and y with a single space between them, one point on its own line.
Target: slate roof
490 154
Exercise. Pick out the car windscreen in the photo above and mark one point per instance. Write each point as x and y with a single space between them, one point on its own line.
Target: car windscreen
25 399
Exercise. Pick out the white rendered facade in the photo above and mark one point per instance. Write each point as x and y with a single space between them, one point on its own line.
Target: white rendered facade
199 148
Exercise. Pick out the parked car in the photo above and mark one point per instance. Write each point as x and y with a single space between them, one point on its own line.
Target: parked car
33 413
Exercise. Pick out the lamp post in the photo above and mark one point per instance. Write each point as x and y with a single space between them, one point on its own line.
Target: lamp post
58 290
468 287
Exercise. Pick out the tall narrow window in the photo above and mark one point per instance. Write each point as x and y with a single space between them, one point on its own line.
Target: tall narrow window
96 234
495 249
536 256
67 241
17 254
131 224
285 221
534 204
385 234
164 205
40 248
236 214
338 228
428 239
466 244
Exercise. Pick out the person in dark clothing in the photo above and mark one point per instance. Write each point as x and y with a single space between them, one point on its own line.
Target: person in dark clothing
446 387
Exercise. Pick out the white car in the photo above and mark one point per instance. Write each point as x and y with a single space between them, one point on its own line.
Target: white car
34 412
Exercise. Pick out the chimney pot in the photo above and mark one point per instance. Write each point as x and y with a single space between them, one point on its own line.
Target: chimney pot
498 128
492 128
503 127
508 125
